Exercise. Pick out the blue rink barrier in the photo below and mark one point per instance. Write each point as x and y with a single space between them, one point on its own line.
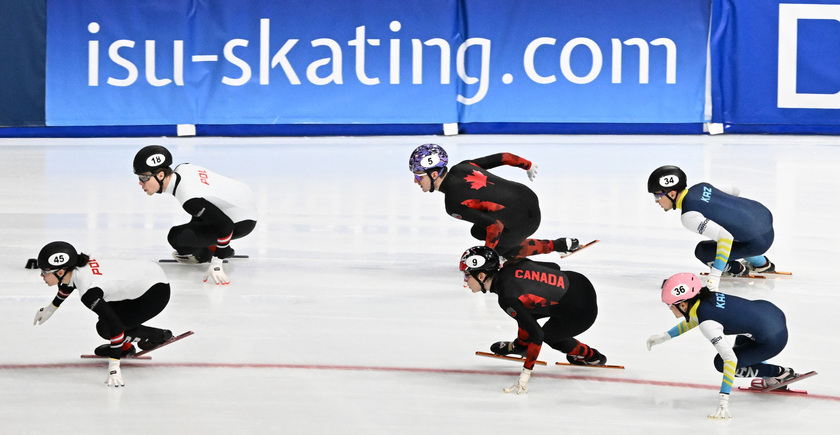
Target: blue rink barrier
355 130
555 67
776 66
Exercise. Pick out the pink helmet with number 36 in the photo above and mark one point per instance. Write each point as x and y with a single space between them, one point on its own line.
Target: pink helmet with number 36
680 287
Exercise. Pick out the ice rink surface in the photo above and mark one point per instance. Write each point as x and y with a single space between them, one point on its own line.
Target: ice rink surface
350 316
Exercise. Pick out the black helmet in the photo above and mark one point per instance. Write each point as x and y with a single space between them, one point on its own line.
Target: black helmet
56 256
152 158
666 178
480 259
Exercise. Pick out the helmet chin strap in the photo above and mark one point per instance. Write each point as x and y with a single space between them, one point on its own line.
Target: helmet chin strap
481 283
60 278
432 180
684 313
159 182
440 172
673 200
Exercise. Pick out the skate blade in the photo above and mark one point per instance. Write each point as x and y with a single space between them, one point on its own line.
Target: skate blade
587 366
509 358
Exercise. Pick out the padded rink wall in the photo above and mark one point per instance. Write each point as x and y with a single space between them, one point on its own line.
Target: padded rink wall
373 67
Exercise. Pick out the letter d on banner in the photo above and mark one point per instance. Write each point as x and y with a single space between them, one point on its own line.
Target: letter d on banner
789 16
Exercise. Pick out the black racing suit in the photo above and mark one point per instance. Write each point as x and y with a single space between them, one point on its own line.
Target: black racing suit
530 290
504 213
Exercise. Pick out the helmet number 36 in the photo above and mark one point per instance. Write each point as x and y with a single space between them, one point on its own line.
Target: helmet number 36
679 290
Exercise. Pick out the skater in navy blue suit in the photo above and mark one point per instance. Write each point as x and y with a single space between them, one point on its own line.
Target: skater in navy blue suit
760 329
740 228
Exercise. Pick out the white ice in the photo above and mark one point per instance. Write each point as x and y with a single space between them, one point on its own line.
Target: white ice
350 316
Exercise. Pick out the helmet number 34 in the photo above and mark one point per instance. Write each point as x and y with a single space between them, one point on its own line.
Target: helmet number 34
669 180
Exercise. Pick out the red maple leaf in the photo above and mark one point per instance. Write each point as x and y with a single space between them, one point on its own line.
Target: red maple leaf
477 180
477 204
532 301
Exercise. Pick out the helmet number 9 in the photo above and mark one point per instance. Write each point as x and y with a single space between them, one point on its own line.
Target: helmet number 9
475 261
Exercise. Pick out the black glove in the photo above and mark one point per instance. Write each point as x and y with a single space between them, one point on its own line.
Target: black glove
566 244
508 347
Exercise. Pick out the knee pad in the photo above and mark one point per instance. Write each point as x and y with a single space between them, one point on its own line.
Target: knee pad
103 330
718 363
479 233
243 228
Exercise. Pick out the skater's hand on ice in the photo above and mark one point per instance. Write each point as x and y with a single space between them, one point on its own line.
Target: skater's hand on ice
521 385
43 314
655 339
713 280
114 375
722 412
216 272
532 173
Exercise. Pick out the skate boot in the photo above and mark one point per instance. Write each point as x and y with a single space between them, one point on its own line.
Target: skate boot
786 375
505 348
151 344
202 255
594 358
566 244
768 267
737 268
184 258
105 351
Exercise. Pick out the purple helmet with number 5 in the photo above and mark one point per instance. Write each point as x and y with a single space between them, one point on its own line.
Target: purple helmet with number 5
680 287
428 157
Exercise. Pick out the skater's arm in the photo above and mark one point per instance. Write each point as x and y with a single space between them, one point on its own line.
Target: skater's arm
696 222
63 292
94 300
529 330
496 160
46 312
713 331
686 325
731 190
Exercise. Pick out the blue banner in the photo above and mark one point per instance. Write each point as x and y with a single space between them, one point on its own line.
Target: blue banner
777 62
164 62
584 61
